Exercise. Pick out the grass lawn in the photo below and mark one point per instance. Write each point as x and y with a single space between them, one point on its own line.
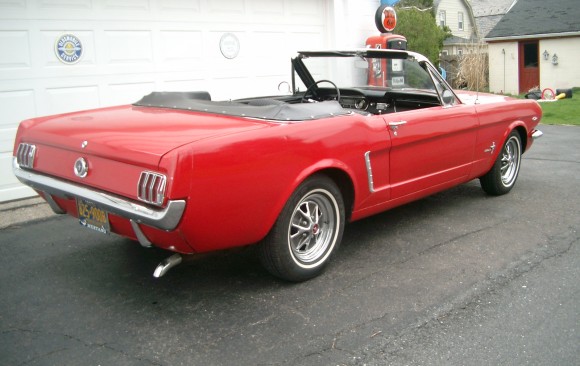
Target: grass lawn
564 111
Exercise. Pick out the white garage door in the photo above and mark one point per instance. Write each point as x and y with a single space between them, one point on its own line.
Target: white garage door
132 47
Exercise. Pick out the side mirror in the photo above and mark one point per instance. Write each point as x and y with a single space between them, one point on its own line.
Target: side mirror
447 97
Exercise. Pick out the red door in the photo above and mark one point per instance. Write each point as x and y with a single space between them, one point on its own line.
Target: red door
529 65
430 151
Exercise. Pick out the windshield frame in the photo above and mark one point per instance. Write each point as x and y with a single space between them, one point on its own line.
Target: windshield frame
439 84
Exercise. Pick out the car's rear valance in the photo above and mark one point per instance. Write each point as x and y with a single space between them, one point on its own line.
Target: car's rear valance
269 109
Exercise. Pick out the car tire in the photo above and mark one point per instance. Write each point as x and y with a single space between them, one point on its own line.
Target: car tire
307 233
504 173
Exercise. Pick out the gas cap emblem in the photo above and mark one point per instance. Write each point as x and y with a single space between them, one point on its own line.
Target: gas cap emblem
81 168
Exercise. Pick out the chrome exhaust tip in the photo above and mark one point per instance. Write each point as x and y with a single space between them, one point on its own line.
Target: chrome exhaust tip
167 264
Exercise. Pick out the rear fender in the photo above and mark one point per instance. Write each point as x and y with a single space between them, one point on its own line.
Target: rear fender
321 167
177 165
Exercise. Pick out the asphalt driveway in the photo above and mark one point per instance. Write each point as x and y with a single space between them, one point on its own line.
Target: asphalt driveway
453 278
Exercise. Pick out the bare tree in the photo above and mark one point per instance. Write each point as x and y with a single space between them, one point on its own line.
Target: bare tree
473 70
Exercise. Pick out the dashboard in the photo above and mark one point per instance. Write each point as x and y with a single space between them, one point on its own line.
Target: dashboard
380 101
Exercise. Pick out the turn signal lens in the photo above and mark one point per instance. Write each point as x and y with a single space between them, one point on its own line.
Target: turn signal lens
25 155
151 188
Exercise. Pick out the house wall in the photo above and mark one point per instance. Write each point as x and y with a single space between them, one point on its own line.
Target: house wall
503 67
565 74
452 9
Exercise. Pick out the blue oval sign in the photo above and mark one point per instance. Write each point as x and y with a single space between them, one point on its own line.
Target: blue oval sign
68 49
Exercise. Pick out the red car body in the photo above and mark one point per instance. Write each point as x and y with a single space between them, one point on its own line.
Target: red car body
228 177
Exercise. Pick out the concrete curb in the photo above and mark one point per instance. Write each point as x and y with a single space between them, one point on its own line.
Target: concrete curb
18 212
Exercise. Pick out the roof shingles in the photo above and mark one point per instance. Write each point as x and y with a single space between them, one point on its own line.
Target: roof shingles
535 17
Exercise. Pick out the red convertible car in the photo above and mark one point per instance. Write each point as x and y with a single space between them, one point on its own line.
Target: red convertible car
361 132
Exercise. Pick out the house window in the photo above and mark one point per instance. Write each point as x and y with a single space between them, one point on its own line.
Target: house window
444 52
460 51
442 18
460 20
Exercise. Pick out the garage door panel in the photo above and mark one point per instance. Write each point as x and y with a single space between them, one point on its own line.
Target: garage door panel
270 44
126 5
185 8
128 47
15 46
301 41
70 99
306 8
227 8
12 9
268 85
16 105
10 188
267 7
64 4
180 46
127 93
230 88
185 85
133 47
7 139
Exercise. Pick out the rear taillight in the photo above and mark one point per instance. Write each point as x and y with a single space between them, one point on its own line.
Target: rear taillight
151 188
25 155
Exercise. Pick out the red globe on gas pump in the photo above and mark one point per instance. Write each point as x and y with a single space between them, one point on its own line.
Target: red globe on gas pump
385 19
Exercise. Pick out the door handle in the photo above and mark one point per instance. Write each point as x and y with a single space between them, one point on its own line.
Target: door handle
395 125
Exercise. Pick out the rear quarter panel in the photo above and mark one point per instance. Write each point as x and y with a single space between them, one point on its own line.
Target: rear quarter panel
240 183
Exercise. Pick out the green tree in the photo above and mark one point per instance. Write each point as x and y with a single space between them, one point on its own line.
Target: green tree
421 30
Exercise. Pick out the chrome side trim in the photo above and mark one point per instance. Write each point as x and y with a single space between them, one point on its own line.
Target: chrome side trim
163 218
536 134
145 243
369 171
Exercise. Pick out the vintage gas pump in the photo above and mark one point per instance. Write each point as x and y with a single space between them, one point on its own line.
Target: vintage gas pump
386 72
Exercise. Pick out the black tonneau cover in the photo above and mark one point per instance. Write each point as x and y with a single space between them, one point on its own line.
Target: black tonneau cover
269 109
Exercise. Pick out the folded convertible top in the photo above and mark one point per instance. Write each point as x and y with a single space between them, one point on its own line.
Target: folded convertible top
269 109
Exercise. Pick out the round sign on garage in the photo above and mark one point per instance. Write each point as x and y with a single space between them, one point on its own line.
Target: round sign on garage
229 45
68 49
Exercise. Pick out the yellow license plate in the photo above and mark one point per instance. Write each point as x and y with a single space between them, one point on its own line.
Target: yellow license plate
92 217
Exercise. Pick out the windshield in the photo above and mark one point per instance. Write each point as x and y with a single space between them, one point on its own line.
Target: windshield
367 72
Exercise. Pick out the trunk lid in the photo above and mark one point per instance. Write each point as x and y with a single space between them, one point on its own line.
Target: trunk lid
131 134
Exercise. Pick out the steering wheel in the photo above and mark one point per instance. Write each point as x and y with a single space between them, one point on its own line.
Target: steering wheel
315 84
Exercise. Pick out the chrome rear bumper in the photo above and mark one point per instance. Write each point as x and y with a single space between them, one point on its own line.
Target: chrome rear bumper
163 218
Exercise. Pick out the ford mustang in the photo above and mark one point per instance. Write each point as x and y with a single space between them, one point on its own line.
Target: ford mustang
359 132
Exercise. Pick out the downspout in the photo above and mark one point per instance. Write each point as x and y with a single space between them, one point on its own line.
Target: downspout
503 52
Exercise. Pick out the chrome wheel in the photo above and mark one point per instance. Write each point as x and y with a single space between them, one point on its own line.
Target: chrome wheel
502 176
312 228
510 161
307 232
